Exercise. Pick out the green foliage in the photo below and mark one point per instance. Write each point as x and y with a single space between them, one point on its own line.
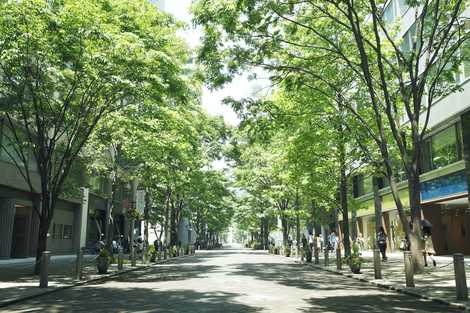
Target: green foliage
104 253
354 259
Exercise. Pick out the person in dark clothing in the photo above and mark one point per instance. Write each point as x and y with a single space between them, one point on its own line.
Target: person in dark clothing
307 251
382 243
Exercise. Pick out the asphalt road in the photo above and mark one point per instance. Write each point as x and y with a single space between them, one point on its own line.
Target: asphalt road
228 281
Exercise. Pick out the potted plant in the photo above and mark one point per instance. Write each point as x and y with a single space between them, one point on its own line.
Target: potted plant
152 253
354 260
102 261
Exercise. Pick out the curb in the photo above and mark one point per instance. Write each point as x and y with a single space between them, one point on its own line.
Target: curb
84 282
454 305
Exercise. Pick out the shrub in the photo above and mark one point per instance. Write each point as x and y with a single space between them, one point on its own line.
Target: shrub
104 254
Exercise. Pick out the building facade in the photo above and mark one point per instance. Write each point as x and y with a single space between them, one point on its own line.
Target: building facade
79 219
445 166
19 222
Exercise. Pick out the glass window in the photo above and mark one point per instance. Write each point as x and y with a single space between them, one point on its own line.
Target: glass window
8 149
368 188
67 233
389 12
406 45
459 140
57 231
360 185
402 7
445 148
408 39
426 165
95 183
466 68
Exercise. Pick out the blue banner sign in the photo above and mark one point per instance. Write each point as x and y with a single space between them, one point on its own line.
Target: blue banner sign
444 186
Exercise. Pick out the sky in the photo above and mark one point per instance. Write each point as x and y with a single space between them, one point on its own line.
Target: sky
212 100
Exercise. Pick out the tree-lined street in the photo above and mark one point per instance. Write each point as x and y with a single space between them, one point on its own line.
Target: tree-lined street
229 280
349 141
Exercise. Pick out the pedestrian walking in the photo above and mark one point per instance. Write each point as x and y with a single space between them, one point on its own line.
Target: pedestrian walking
382 243
429 251
333 241
405 244
360 242
319 242
305 248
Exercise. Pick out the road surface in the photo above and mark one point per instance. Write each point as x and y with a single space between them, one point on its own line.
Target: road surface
228 281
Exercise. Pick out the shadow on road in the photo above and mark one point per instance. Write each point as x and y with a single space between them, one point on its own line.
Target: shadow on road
332 290
93 299
164 273
296 275
374 303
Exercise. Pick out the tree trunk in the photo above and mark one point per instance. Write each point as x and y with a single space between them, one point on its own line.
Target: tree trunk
416 242
110 206
285 231
47 208
343 184
266 233
354 225
283 205
297 220
344 207
173 230
167 217
42 244
146 219
109 226
377 209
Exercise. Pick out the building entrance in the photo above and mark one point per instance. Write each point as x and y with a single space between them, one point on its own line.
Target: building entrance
20 237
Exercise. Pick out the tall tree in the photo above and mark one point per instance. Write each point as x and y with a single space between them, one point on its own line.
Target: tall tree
402 76
63 66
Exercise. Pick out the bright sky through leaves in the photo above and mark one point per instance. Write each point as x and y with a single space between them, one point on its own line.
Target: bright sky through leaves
211 100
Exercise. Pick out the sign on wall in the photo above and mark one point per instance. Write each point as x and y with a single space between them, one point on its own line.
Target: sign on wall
444 186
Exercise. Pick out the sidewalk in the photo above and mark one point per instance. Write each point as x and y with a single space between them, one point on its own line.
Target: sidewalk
436 283
17 282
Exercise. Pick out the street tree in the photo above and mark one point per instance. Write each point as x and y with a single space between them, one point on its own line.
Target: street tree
402 75
64 65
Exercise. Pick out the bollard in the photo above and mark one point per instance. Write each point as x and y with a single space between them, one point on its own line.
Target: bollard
338 259
409 271
44 275
120 260
165 254
377 265
133 258
326 257
79 264
460 277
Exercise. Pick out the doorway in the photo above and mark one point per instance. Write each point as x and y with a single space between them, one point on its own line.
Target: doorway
19 246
